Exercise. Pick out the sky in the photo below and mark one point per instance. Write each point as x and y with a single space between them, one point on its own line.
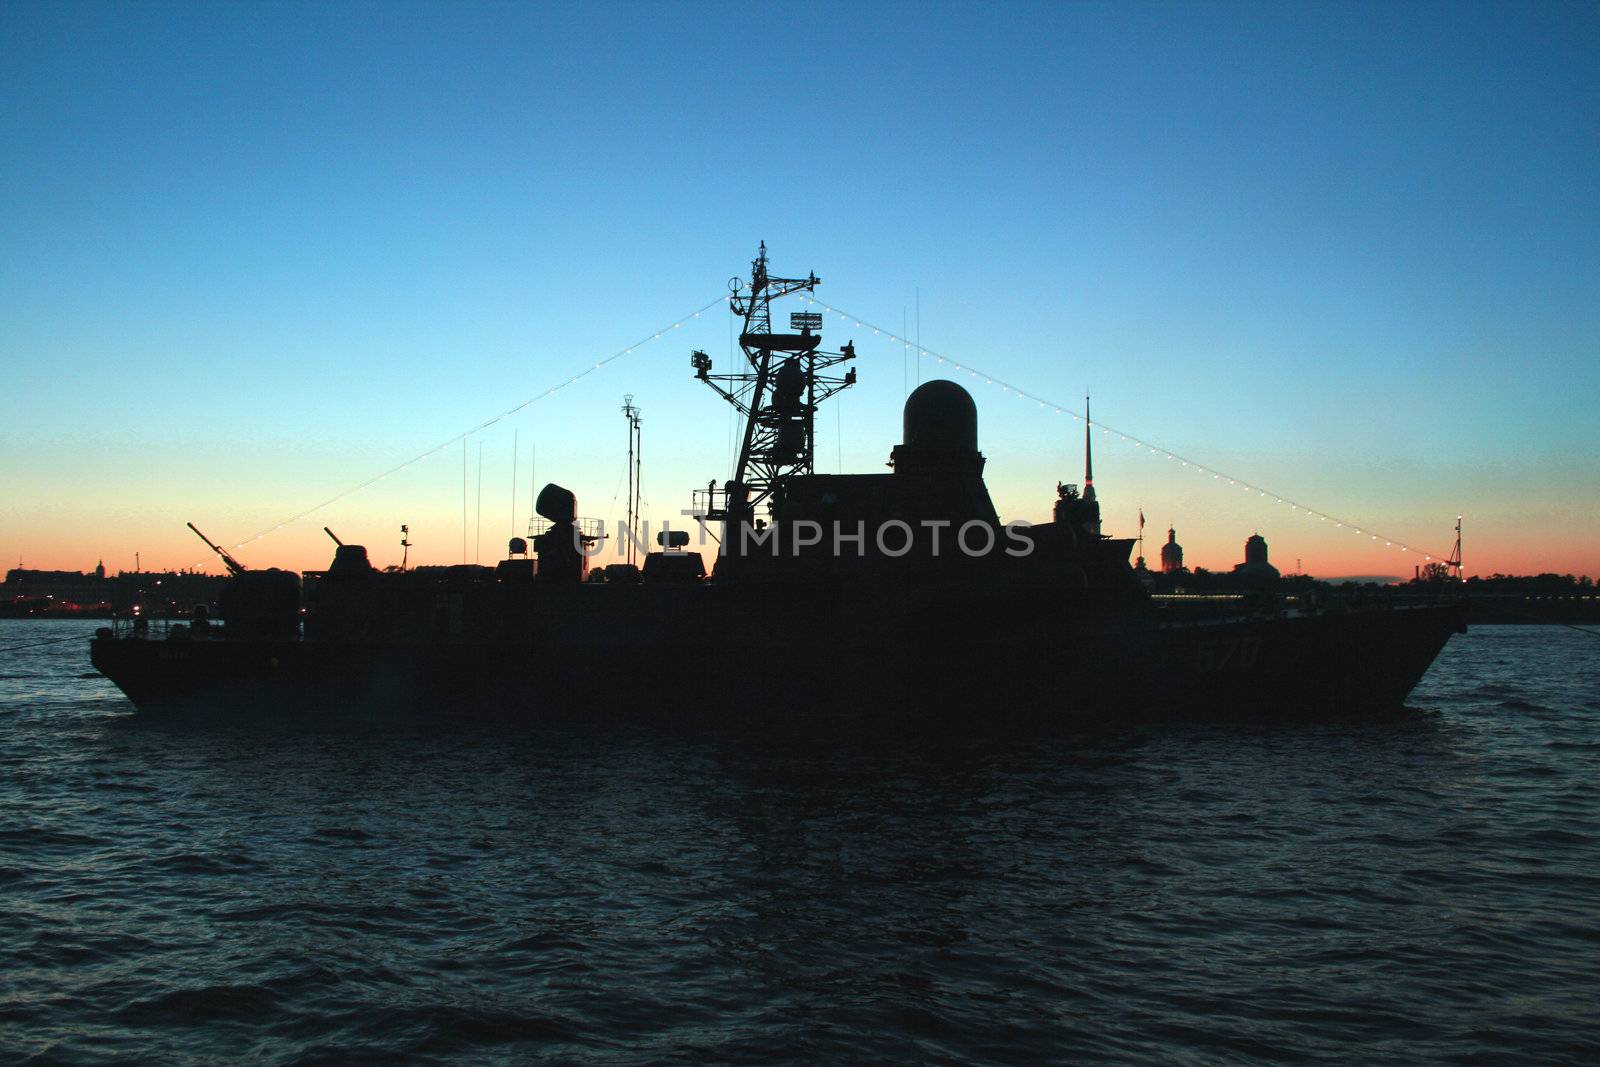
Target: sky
254 255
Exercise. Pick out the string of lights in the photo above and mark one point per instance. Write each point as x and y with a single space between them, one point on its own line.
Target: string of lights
655 335
1137 442
907 344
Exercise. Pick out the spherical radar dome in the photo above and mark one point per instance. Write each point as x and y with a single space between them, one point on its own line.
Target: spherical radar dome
941 415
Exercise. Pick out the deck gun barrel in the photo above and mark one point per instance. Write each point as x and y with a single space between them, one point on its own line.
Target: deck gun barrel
233 565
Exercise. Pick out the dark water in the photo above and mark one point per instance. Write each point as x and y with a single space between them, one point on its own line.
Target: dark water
1422 888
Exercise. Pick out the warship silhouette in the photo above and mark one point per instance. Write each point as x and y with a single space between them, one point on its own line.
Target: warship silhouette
858 597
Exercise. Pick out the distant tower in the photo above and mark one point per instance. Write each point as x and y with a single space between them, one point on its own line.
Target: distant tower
100 570
1091 505
1171 553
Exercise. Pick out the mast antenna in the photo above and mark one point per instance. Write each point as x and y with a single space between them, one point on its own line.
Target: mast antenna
631 412
1454 562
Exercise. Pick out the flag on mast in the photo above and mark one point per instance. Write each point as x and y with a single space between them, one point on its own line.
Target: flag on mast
1141 518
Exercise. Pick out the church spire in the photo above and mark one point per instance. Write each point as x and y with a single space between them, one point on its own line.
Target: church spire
1090 504
1088 453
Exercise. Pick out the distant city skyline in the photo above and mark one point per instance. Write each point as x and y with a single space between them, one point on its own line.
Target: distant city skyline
255 257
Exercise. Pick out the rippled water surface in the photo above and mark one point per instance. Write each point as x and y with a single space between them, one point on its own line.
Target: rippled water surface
1418 888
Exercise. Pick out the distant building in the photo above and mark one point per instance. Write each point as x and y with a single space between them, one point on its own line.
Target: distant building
1255 563
66 588
27 591
1171 553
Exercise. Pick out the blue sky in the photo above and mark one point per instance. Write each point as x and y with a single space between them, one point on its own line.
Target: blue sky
254 254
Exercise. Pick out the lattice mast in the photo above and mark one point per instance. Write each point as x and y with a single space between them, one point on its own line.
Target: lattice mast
787 379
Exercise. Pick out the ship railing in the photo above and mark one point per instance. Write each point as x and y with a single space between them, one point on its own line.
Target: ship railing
140 626
711 502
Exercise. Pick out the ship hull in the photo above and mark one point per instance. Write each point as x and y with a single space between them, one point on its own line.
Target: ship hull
917 663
